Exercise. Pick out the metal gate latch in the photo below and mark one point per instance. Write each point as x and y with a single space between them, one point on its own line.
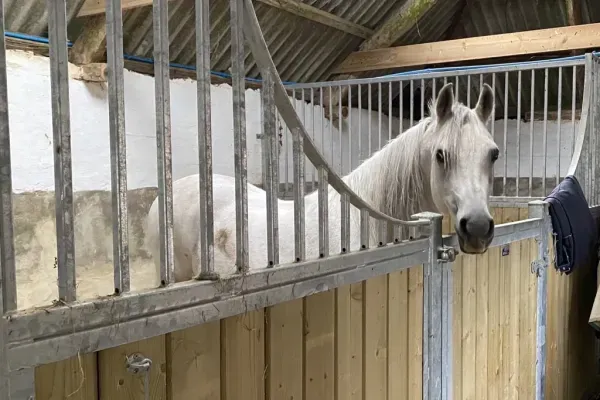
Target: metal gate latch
446 254
137 364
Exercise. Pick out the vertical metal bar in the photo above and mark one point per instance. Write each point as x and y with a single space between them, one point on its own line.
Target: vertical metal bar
63 173
401 106
558 125
350 166
239 133
340 127
331 127
468 90
287 135
545 137
539 209
379 112
8 285
206 225
456 90
270 162
390 111
433 90
8 290
364 229
518 174
531 132
313 182
493 131
573 108
370 105
505 140
412 102
323 214
299 196
163 138
360 133
422 98
345 223
433 304
118 150
382 224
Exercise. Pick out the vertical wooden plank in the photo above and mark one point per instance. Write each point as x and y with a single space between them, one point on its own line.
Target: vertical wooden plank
469 327
512 358
481 326
397 336
75 378
554 371
243 357
415 332
118 383
284 350
375 338
319 336
349 342
457 332
495 297
194 363
526 319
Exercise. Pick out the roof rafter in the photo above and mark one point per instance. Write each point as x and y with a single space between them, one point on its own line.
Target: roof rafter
94 7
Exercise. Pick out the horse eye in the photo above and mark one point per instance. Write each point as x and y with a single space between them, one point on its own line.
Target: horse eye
494 155
439 156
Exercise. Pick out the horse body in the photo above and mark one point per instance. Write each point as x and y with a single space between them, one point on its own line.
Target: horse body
443 164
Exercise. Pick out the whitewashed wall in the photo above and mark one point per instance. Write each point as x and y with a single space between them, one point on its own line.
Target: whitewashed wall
31 132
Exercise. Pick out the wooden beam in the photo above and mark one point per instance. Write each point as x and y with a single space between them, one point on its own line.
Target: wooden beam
476 48
323 17
94 7
90 46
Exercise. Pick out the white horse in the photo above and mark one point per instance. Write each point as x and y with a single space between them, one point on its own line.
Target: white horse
443 164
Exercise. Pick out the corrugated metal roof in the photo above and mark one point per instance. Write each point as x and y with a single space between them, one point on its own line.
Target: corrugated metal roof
306 51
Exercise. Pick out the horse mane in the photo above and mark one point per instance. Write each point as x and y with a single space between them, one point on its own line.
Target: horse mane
392 179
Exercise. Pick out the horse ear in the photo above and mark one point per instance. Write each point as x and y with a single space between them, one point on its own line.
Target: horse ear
485 104
443 104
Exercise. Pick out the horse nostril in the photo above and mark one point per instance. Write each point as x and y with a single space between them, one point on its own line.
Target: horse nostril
463 225
491 227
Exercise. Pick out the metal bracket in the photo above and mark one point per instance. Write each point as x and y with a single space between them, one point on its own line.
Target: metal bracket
446 254
137 364
538 265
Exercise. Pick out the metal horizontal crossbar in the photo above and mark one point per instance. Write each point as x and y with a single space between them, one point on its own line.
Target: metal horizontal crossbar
58 333
506 233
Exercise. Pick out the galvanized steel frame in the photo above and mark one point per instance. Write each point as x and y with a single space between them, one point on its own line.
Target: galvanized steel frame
34 337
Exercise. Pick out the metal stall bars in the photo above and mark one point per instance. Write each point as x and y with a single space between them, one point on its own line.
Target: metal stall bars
436 299
118 152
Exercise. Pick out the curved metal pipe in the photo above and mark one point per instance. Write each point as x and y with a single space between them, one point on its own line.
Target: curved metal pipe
289 115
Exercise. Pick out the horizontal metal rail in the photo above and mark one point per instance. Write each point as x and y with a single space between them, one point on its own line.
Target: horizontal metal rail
440 74
55 334
506 233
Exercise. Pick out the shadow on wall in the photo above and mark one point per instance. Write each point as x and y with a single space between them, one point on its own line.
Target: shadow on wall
35 226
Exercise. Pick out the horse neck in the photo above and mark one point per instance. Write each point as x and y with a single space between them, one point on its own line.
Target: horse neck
392 180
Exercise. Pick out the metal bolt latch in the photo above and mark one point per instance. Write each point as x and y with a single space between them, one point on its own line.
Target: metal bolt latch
446 254
137 364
